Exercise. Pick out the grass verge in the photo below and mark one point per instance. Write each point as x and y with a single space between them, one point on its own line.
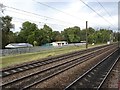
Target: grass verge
26 57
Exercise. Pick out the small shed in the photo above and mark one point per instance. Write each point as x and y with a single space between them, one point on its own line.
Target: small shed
59 43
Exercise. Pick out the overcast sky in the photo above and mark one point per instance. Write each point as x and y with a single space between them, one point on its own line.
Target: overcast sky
61 14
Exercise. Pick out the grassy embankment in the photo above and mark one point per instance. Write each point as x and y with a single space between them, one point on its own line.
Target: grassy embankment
26 57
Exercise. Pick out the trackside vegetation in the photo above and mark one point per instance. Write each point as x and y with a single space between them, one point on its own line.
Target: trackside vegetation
21 58
30 33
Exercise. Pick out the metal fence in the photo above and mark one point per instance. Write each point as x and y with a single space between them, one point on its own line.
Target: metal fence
6 52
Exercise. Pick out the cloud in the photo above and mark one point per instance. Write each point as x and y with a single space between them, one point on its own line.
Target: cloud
77 9
73 13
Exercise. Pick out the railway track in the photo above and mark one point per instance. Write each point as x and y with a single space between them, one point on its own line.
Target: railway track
34 78
96 76
22 68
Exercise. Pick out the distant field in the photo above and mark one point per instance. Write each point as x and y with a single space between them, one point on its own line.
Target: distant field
18 59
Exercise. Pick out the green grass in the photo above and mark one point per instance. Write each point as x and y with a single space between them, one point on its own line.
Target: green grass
26 57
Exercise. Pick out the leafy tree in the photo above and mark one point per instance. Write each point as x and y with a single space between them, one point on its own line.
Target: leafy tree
47 33
27 32
105 35
30 33
83 35
39 36
6 25
91 35
12 37
31 38
57 36
116 36
72 34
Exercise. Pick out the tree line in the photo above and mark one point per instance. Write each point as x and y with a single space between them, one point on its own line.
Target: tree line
30 33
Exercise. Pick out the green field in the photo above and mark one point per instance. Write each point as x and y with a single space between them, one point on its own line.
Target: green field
26 57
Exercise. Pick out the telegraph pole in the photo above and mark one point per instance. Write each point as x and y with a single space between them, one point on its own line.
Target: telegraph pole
86 34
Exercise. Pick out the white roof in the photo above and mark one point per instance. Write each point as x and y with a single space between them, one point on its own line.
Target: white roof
60 42
17 45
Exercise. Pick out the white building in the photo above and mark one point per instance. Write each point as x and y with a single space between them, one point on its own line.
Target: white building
59 43
18 45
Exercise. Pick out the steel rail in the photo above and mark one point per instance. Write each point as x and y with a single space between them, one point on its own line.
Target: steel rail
81 57
108 73
87 73
48 61
31 85
88 56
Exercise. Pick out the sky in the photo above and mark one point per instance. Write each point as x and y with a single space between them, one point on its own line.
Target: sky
61 14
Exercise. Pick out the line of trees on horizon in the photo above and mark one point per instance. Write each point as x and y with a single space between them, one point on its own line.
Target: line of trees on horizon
30 33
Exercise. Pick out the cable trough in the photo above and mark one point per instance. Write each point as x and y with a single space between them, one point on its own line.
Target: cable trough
95 77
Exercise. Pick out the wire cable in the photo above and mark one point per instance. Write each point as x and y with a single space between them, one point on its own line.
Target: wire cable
37 14
96 12
37 22
58 10
104 8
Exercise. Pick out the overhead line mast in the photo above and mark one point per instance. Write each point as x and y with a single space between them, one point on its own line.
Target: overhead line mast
86 34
